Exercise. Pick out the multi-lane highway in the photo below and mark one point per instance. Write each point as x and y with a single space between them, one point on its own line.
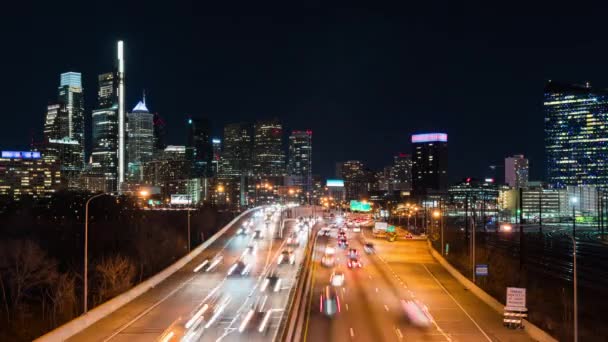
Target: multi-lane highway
234 291
370 300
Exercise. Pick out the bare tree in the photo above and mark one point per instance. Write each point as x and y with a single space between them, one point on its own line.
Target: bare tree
25 269
114 275
62 295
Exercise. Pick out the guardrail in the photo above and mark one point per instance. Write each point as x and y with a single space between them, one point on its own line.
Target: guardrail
82 322
532 330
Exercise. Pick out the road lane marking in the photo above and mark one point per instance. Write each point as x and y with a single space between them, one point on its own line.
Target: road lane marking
455 301
352 332
346 307
385 307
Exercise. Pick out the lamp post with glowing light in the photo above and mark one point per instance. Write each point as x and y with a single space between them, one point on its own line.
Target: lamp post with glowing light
437 215
86 251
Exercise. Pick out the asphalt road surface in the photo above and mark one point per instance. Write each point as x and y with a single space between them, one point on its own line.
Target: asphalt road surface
370 300
237 308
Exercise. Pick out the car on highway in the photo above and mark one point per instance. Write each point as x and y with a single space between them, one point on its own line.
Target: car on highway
250 249
286 257
353 253
354 263
212 264
357 229
417 313
257 317
409 236
243 230
342 243
293 240
337 278
205 314
239 268
258 234
369 248
272 282
329 302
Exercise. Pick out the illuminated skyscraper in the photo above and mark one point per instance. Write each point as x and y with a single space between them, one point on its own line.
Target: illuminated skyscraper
71 97
268 154
121 114
300 157
430 163
140 142
105 130
236 154
516 171
217 154
576 135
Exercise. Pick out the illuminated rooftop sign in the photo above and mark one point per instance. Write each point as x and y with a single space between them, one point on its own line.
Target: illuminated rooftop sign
335 182
21 154
429 137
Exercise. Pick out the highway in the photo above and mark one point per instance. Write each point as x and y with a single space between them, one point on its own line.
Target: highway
195 304
370 298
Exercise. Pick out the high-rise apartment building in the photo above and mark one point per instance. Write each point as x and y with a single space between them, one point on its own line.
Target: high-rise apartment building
430 163
199 147
516 171
237 153
268 154
576 129
72 100
140 142
55 123
300 158
105 131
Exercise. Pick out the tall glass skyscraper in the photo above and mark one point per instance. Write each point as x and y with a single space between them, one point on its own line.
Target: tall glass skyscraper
576 135
71 97
105 130
199 147
140 142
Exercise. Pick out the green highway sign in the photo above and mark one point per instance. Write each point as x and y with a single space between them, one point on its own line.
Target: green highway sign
390 229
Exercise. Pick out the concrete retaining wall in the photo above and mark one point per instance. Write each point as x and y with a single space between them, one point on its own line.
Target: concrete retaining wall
535 332
80 323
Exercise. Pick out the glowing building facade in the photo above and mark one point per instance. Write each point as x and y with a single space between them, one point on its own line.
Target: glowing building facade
576 135
430 163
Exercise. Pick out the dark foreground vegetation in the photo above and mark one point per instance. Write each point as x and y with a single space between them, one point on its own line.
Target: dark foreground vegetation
42 247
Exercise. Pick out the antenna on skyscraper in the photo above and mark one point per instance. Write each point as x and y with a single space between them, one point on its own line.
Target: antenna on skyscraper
144 97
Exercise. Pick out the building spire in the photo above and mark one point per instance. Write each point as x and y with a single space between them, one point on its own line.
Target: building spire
144 97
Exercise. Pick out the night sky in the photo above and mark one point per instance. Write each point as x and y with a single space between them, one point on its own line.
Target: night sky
361 78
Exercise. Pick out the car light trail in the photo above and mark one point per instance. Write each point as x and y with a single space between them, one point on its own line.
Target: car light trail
246 321
198 314
265 321
168 337
198 268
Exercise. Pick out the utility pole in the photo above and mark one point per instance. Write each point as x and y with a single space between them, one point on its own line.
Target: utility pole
521 230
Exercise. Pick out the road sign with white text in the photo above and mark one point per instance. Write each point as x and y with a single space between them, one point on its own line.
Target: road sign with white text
481 270
516 298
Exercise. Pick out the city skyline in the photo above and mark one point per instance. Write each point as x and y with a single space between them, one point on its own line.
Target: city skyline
226 81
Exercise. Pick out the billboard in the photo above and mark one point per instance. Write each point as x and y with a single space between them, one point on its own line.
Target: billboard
360 206
335 183
181 199
21 154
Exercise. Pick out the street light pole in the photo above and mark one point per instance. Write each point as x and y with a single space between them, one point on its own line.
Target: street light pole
573 201
575 291
86 251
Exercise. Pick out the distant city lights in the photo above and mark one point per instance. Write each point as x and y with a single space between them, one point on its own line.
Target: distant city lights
21 154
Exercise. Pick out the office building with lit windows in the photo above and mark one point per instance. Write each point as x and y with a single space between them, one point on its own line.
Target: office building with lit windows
355 181
516 171
140 142
299 164
72 101
401 173
105 131
237 150
268 154
576 134
28 174
430 163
